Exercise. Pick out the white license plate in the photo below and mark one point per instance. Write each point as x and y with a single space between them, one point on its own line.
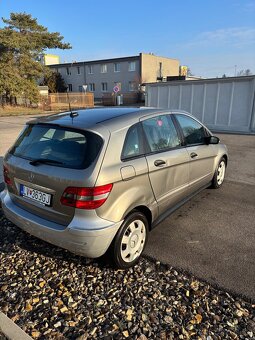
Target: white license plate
35 195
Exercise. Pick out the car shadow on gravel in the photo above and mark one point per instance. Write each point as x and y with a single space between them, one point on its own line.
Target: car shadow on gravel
13 238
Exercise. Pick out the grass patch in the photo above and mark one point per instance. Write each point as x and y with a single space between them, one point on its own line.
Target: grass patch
21 111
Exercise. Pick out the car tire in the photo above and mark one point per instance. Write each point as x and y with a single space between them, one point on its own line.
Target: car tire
130 241
219 174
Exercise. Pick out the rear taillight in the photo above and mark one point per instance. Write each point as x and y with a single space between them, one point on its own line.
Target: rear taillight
6 176
86 198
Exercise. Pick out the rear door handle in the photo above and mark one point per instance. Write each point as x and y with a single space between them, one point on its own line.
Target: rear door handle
159 162
193 155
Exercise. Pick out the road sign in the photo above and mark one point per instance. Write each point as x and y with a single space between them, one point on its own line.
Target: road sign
116 89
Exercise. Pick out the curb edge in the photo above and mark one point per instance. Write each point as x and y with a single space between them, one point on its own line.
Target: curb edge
11 330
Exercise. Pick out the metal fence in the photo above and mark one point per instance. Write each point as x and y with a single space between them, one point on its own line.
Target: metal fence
223 104
61 101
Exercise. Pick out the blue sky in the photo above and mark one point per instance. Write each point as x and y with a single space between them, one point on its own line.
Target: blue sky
211 37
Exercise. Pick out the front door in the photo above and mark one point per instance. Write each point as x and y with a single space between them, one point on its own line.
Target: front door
201 155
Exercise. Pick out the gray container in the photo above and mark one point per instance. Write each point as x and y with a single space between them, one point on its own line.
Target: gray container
119 99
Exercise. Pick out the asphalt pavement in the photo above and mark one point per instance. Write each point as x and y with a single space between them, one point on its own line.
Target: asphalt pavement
10 128
213 235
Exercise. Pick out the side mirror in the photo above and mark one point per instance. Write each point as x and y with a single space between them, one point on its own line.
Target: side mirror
212 140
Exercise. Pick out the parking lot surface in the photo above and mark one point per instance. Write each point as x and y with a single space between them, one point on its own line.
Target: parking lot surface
213 235
10 127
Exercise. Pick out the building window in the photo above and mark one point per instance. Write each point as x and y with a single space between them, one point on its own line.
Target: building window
70 87
117 67
80 88
78 70
132 86
90 69
103 68
91 87
68 71
131 66
160 69
104 87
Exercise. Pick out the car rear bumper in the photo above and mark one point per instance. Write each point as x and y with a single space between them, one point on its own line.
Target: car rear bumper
90 238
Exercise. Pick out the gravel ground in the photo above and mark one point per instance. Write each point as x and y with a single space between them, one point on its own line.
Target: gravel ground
53 294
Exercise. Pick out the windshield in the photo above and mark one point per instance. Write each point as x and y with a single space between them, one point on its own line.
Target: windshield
63 147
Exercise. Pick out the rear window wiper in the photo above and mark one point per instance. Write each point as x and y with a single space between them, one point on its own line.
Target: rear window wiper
44 161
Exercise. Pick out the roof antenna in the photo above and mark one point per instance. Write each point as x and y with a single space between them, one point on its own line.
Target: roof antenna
72 113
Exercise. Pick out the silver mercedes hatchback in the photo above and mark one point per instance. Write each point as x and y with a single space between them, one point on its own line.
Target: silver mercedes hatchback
98 180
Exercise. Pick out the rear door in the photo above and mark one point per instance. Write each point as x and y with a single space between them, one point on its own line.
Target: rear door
201 155
45 160
168 161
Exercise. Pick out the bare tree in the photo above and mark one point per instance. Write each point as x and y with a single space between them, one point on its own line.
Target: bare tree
189 72
246 72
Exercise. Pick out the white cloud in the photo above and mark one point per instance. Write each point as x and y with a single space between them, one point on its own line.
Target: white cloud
248 7
216 65
235 37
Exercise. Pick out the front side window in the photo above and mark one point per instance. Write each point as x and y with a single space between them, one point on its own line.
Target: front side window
78 70
161 133
68 71
131 66
80 88
58 146
70 87
132 146
194 133
90 69
103 68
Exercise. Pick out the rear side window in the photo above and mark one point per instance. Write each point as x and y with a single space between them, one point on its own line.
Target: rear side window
68 148
194 133
132 145
161 133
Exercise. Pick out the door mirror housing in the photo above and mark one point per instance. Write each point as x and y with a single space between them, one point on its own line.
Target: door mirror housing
212 140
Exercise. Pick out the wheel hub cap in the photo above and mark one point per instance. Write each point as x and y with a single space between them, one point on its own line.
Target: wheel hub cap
133 241
221 172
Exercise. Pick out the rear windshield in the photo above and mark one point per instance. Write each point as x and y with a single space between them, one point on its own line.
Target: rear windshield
64 147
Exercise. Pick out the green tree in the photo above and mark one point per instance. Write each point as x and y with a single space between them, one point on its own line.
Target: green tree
55 82
22 41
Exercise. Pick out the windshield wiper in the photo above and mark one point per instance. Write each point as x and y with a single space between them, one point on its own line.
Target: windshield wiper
44 161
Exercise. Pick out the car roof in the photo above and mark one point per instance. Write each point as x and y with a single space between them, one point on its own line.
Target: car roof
112 118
